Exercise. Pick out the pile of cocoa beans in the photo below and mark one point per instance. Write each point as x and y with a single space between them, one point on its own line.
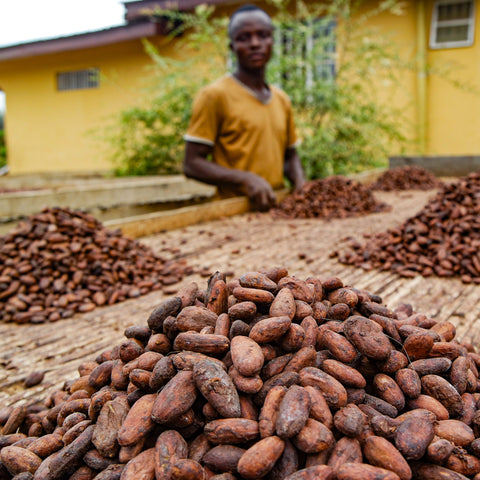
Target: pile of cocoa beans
264 376
443 239
408 177
59 262
331 197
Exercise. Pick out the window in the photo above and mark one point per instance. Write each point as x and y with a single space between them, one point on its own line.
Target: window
79 79
311 46
453 24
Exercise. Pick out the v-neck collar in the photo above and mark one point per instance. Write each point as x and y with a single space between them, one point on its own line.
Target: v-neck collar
252 92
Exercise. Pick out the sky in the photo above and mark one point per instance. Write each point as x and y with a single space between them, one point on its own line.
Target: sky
29 20
24 21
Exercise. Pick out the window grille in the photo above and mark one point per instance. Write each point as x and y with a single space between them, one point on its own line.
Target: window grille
453 24
313 49
79 79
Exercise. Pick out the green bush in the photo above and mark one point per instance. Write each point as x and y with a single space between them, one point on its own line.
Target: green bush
342 125
148 139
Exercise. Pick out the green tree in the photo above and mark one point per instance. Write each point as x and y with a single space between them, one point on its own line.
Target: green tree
324 58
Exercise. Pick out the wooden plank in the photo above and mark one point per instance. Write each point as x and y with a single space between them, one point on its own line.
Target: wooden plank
151 223
106 194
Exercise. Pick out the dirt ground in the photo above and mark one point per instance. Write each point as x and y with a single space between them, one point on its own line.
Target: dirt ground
233 245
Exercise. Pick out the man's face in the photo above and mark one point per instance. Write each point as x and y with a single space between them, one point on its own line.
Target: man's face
251 39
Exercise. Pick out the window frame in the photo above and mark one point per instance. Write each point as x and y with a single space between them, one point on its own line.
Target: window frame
435 24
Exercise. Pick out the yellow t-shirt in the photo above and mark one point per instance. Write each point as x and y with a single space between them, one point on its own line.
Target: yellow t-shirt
244 132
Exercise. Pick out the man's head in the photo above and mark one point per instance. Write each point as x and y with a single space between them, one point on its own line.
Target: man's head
251 36
246 9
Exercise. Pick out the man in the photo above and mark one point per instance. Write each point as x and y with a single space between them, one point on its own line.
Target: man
243 124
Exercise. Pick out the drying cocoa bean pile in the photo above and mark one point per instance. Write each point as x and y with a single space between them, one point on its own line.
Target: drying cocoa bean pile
331 197
409 177
59 262
443 239
263 376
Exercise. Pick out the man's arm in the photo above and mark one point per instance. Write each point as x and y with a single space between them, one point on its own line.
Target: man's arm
196 165
293 168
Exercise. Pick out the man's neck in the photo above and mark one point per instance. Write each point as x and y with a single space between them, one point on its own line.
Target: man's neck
255 81
252 79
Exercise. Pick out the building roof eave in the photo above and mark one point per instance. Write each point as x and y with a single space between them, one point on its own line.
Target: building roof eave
81 41
142 8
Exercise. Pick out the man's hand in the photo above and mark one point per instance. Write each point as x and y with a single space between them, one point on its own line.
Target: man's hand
259 191
198 167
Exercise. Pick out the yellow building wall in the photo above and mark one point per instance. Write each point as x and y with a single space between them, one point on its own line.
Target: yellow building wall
51 131
444 120
453 121
401 92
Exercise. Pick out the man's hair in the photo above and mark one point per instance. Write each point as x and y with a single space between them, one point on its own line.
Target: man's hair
248 7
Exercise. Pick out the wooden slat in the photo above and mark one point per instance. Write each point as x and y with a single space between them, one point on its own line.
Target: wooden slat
151 223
